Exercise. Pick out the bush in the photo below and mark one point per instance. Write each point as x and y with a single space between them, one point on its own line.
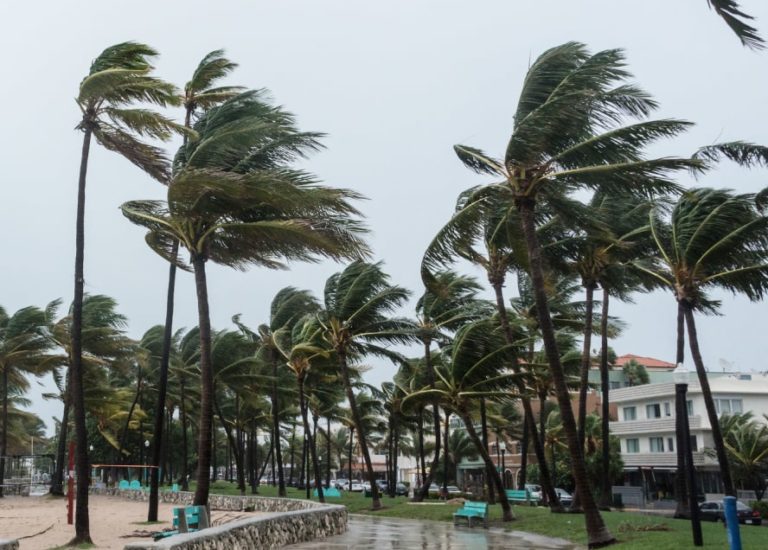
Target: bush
761 506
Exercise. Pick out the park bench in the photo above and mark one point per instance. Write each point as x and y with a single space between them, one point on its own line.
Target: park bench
472 510
523 495
186 520
330 492
135 485
123 485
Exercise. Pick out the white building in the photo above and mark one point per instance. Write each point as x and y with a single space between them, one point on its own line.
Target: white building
646 428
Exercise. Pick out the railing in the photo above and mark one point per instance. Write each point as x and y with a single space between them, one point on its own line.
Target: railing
655 425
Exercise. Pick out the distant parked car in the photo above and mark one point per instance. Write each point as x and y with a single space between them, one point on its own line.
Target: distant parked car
534 489
342 484
401 489
436 489
714 510
565 497
357 487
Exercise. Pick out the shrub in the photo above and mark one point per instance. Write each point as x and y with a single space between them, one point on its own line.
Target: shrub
761 506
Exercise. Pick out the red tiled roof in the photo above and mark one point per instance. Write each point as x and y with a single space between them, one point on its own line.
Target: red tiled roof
647 362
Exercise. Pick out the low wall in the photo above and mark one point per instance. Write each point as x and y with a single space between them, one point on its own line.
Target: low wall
9 544
293 521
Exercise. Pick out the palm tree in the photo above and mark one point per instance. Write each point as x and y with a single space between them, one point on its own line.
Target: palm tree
199 93
715 239
118 77
475 366
449 301
24 345
235 201
567 135
746 441
737 20
356 323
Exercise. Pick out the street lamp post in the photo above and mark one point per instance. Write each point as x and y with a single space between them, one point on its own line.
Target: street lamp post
681 375
146 458
503 467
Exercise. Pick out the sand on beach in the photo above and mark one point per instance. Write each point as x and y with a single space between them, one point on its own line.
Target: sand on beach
40 522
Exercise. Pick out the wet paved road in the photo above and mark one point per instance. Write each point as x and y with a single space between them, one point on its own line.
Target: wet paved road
369 533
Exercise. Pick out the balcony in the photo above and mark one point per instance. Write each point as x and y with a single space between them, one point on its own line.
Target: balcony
663 460
656 425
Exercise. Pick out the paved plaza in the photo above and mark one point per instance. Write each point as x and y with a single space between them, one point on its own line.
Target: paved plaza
369 533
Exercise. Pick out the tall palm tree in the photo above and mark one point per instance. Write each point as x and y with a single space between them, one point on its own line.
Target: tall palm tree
356 322
118 77
567 135
199 93
24 345
449 301
715 239
475 366
235 200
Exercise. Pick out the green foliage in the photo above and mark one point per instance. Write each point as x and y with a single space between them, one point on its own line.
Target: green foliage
635 373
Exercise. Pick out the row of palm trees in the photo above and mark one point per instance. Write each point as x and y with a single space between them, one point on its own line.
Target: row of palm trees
234 198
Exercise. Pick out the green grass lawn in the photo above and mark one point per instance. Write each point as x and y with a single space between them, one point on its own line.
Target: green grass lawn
633 530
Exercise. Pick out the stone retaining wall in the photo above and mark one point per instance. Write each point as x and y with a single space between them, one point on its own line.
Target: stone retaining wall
9 544
292 520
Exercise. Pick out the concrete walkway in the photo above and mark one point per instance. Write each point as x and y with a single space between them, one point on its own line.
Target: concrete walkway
369 533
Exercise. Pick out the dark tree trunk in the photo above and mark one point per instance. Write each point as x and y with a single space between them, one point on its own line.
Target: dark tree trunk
57 481
706 392
233 446
162 391
184 476
205 429
597 533
506 508
310 442
328 451
682 510
126 425
445 453
524 453
424 491
82 467
605 386
586 360
484 432
497 282
293 454
278 455
4 436
361 436
349 463
422 459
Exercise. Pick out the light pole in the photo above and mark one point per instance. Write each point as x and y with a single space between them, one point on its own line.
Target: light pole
681 375
146 458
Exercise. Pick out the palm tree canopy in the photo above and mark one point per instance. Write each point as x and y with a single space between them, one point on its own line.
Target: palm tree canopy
118 77
199 91
738 21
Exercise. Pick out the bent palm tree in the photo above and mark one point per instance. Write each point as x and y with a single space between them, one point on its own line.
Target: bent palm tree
715 239
199 93
234 200
117 78
567 135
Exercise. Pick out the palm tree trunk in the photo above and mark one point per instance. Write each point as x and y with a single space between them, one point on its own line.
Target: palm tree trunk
506 508
278 455
706 392
423 477
524 453
605 385
57 482
597 533
127 423
586 359
82 525
162 390
497 282
349 462
445 453
424 491
185 441
682 510
231 440
376 504
328 451
484 429
310 442
292 447
205 429
4 437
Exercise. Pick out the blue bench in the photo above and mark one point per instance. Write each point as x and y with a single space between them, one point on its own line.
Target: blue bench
135 485
186 520
330 492
123 485
473 510
523 495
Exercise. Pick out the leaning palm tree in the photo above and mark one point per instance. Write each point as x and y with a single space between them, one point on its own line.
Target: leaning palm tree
235 201
475 366
199 93
715 239
24 345
118 77
567 135
356 322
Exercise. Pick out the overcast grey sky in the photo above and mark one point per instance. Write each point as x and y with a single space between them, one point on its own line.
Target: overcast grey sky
394 84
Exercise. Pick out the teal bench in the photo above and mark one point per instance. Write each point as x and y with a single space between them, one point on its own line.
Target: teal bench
123 485
186 520
523 495
473 510
135 485
330 492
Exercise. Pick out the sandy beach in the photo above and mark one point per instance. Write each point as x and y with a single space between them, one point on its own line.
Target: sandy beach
41 522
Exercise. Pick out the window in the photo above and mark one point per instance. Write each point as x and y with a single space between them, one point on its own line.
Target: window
630 413
615 385
667 410
671 444
653 411
728 406
633 445
657 444
690 407
694 443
